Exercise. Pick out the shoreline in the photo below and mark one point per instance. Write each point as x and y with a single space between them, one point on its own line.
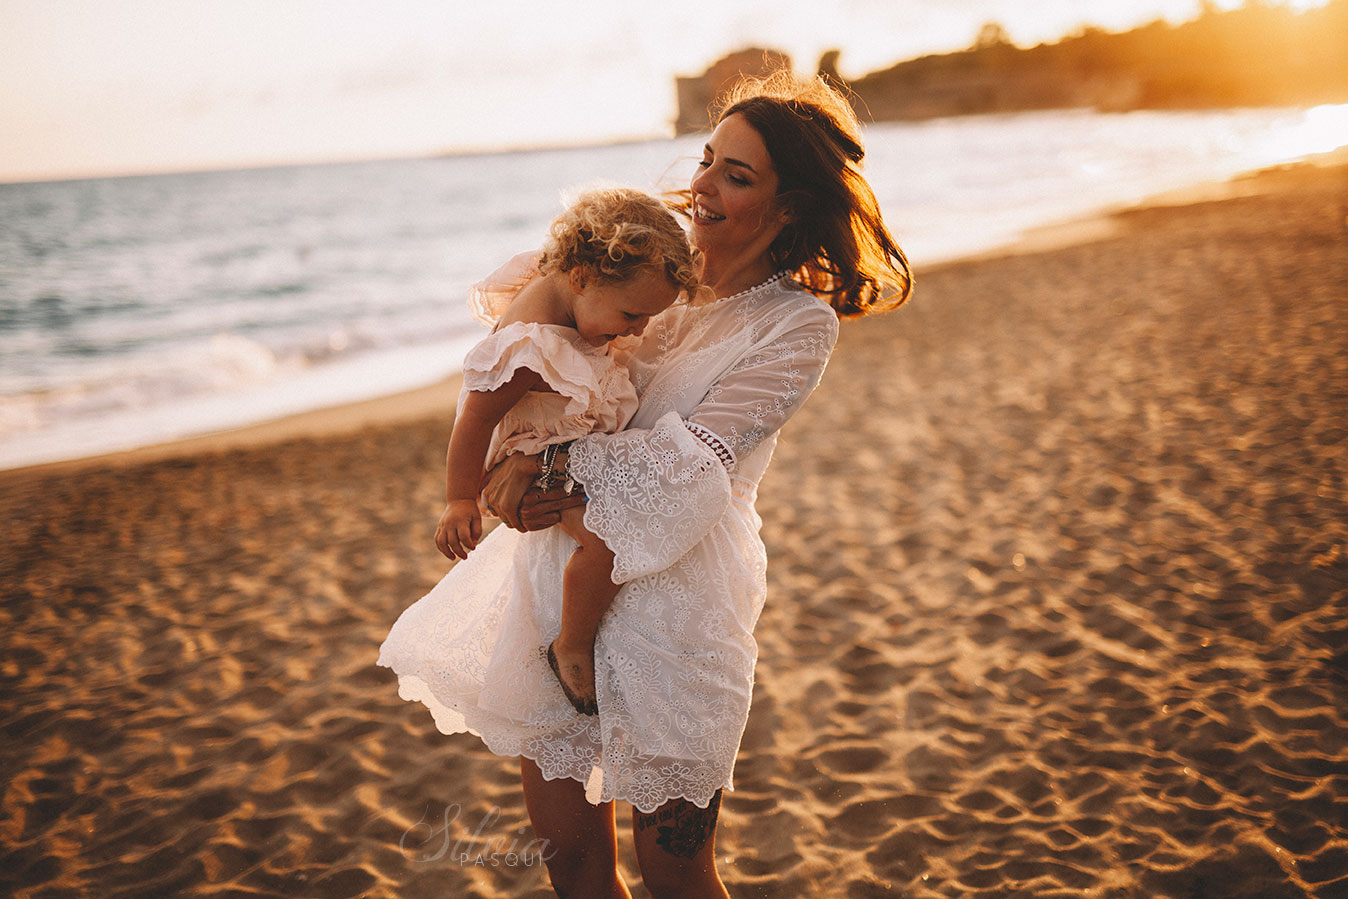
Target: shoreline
1108 222
439 399
420 403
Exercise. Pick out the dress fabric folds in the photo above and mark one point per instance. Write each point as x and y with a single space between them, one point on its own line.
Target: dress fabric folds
673 496
588 387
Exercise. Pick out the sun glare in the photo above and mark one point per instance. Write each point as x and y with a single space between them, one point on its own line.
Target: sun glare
1321 129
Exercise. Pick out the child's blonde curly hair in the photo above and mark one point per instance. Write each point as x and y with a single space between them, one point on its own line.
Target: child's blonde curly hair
615 232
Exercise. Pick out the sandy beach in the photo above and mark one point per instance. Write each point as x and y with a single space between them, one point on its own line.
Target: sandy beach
1058 606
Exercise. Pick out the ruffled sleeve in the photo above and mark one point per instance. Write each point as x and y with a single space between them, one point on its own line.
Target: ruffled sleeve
488 298
545 350
654 493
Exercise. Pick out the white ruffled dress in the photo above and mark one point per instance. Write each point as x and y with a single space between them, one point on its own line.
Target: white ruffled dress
673 497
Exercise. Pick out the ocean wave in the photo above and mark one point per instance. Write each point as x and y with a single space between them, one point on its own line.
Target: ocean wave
225 361
237 383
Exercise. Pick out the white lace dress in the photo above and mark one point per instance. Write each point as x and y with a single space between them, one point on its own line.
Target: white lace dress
673 497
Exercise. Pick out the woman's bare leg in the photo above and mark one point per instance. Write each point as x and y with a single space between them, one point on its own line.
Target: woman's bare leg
676 847
580 845
587 592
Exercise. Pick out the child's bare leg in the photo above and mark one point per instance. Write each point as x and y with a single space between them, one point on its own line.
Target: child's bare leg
587 592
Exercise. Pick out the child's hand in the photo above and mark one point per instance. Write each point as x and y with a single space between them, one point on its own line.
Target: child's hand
459 530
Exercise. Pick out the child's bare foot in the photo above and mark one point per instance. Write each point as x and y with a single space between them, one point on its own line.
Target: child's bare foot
575 672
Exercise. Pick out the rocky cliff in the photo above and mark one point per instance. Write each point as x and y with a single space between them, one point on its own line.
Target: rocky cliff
1257 55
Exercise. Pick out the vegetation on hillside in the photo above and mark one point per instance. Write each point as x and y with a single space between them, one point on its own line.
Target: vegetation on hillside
1256 55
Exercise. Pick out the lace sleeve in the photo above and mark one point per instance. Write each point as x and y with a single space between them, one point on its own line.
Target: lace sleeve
653 493
716 444
764 389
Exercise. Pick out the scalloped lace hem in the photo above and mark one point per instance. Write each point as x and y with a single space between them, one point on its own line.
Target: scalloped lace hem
564 762
594 781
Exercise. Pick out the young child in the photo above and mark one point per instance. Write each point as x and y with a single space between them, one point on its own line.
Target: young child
547 375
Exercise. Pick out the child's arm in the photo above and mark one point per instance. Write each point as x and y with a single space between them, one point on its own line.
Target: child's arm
460 526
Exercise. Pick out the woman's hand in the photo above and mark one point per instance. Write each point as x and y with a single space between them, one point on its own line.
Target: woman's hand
459 530
512 496
505 486
542 510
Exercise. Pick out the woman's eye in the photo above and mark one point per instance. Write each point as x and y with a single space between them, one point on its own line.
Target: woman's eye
703 164
736 179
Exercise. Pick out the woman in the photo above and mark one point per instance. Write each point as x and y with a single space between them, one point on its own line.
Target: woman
792 238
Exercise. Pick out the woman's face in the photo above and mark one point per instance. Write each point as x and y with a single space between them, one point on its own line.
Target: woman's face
734 191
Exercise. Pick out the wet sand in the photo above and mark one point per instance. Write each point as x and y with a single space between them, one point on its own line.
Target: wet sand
1058 607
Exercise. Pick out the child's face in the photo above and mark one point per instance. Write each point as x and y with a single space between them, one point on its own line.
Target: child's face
604 310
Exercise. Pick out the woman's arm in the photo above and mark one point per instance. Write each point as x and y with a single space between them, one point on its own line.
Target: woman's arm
657 490
764 388
655 493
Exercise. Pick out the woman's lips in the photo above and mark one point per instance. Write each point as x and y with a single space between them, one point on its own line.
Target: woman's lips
703 214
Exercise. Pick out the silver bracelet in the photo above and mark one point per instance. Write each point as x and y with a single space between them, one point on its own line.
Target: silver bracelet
547 478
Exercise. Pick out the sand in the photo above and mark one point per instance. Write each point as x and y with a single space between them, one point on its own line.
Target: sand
1058 607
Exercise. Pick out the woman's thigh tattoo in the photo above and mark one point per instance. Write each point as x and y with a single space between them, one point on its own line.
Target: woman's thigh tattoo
682 828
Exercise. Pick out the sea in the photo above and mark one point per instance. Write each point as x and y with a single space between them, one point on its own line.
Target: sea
138 310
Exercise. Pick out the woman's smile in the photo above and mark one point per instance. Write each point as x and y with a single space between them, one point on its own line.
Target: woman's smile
704 215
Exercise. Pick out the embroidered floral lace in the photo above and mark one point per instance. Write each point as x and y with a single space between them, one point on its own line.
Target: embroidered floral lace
673 497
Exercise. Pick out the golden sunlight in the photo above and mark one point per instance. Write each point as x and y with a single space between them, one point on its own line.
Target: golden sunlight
1322 129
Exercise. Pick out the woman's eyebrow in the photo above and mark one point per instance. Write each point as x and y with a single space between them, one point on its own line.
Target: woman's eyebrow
730 160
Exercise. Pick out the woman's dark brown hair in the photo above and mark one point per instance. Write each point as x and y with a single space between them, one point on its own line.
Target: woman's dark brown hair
835 243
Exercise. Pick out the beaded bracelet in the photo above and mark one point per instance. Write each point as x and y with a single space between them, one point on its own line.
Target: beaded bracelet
547 478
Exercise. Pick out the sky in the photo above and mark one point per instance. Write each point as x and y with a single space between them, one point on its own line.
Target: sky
106 87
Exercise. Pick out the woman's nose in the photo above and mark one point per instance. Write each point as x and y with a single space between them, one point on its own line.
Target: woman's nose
636 329
701 182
